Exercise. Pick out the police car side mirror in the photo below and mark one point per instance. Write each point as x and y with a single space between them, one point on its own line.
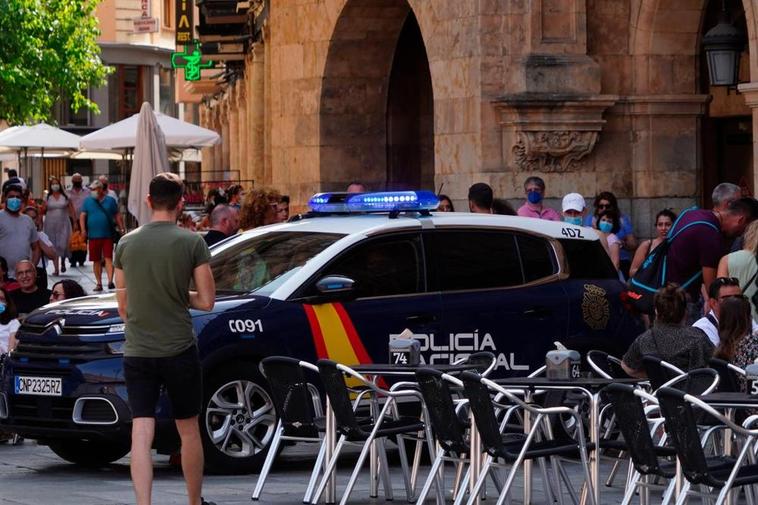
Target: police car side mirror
335 284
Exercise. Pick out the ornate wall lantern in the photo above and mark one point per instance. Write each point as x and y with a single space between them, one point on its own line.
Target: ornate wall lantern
723 45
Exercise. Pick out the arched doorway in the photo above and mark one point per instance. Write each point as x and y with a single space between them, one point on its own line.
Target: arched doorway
376 114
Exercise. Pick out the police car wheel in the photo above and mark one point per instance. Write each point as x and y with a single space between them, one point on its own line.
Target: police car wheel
238 420
90 453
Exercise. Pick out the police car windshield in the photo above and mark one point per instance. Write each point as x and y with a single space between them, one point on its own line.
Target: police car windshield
262 262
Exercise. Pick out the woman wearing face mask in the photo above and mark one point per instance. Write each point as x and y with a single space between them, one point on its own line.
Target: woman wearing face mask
608 224
664 220
59 220
8 322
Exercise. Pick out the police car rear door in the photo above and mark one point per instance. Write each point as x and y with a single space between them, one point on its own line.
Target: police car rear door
500 293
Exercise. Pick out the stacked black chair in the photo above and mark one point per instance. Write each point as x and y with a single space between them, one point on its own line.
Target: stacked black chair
730 375
720 472
605 365
649 459
516 448
298 407
659 371
350 430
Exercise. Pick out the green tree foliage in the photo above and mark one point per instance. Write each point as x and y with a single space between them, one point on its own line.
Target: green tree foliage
48 50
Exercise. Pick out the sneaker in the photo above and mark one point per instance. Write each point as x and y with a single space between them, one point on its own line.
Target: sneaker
98 288
111 285
203 502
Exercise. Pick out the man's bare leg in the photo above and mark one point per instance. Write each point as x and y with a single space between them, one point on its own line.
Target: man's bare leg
109 269
97 268
143 431
192 458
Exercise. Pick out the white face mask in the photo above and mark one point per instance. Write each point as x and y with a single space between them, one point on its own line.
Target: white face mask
55 187
94 193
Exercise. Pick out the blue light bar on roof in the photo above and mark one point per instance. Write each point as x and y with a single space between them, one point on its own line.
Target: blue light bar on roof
388 201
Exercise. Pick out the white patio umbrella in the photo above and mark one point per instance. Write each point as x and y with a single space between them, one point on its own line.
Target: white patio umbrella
150 158
123 134
38 138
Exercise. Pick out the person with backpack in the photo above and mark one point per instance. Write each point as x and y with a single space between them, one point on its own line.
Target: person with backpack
694 247
99 220
743 266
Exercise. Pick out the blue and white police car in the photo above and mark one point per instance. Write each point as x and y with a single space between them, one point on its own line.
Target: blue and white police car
339 283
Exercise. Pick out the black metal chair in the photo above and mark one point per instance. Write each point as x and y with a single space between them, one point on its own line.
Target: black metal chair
730 375
352 431
719 472
516 448
659 371
298 407
485 362
605 365
648 458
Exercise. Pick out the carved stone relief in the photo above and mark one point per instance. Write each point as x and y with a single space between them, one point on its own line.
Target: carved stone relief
553 151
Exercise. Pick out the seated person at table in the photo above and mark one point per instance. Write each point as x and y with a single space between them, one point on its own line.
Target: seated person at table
686 347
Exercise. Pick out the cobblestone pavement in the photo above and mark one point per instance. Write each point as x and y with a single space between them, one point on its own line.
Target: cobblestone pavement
32 474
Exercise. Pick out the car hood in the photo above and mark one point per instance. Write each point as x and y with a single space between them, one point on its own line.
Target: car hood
103 309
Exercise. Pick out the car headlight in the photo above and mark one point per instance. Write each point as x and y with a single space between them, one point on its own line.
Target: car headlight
116 347
117 328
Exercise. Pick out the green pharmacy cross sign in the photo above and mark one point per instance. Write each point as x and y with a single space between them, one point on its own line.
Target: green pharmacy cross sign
190 61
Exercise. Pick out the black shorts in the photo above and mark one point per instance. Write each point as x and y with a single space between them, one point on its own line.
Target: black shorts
180 375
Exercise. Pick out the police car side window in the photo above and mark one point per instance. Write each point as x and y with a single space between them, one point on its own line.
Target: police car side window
474 259
587 259
536 257
382 267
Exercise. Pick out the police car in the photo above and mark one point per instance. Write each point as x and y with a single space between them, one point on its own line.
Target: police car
338 283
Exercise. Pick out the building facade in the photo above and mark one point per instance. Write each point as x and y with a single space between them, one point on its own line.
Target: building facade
591 95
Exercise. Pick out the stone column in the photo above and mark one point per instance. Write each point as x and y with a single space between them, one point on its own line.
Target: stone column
218 149
207 152
225 136
257 104
233 122
244 162
750 91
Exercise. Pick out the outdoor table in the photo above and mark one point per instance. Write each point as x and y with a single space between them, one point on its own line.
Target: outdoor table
374 371
590 387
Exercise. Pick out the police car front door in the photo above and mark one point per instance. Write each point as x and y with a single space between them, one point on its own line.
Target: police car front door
391 296
497 296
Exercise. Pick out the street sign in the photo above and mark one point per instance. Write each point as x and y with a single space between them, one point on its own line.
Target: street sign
145 25
184 27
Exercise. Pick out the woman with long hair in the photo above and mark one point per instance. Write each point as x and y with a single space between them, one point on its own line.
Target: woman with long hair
735 323
259 208
59 221
743 265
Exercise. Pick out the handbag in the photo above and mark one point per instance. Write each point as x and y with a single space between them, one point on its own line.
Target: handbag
115 235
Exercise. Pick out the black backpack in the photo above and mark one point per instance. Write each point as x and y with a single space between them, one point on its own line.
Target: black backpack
651 275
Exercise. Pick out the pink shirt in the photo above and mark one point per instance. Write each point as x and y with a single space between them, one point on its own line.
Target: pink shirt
540 212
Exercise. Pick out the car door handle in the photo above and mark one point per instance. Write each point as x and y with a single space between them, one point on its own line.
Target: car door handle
537 312
421 318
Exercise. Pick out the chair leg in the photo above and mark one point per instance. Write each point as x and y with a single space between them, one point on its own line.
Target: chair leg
416 459
409 486
384 470
614 470
519 460
547 484
669 493
486 464
554 464
358 467
459 493
331 465
567 482
269 461
631 488
431 478
683 493
318 466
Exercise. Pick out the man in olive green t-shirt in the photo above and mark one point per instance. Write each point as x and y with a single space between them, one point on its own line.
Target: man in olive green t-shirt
154 267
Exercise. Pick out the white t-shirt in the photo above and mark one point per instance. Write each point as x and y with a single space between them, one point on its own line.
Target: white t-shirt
5 334
712 330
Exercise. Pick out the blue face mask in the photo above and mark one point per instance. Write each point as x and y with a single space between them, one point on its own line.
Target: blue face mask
605 226
534 197
13 204
2 307
576 220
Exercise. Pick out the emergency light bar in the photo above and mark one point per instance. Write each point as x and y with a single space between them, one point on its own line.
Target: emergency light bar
388 201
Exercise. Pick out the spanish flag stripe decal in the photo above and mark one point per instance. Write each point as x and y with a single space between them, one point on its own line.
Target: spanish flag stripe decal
352 334
334 336
318 337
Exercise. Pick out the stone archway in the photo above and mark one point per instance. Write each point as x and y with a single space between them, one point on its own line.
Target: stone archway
376 110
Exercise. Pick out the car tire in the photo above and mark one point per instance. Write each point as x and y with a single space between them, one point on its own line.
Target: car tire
90 453
238 419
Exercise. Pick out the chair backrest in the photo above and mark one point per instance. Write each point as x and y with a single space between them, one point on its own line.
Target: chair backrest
339 397
480 403
696 382
657 371
729 378
447 427
633 424
484 361
681 426
605 365
289 392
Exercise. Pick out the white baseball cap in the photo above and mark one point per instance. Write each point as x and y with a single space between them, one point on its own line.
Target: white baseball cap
573 201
